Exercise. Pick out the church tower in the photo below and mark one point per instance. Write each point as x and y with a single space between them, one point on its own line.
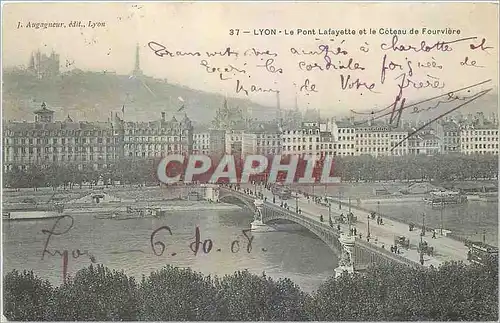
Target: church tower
137 67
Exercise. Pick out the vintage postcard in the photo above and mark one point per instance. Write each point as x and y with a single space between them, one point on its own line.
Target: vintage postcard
237 161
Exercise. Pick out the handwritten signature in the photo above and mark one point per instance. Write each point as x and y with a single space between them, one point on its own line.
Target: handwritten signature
467 101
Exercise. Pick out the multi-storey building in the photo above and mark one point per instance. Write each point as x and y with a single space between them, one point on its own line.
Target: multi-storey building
46 141
95 144
308 140
217 142
233 141
262 139
424 143
158 138
314 138
291 140
328 147
344 136
201 140
209 142
380 139
448 132
479 136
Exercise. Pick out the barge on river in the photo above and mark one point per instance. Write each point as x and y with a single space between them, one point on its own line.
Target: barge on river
445 197
32 212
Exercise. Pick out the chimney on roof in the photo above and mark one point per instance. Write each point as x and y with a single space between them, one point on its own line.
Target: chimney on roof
163 116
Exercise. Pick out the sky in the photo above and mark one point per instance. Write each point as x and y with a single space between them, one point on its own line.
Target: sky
202 27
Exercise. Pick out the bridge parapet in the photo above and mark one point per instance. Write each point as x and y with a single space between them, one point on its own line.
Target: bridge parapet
362 253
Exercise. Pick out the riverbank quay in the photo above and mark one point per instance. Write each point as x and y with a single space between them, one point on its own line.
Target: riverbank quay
135 192
123 208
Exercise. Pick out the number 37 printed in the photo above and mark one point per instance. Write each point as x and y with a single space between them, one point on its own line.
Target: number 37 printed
233 32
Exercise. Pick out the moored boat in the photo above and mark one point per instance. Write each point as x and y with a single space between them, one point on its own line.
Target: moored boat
445 197
32 212
131 213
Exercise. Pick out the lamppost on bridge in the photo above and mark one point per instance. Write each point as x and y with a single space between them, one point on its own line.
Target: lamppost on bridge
349 204
330 213
349 219
423 226
340 203
368 233
296 202
442 207
421 240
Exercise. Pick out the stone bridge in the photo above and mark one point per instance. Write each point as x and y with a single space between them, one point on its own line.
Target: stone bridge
355 254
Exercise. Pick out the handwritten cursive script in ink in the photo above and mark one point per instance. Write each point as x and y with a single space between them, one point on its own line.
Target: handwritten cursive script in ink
64 254
470 99
442 46
206 245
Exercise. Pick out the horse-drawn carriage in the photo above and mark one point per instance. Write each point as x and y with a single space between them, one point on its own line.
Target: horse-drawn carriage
349 218
423 247
402 241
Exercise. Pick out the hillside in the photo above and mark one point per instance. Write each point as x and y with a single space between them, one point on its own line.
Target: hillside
93 96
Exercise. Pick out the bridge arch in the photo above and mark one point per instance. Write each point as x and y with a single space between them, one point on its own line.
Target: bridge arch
325 234
363 252
271 213
235 199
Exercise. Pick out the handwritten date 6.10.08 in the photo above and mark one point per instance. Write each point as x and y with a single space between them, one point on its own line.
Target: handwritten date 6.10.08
206 246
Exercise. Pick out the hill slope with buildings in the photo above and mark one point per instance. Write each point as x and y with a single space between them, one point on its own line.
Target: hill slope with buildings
94 96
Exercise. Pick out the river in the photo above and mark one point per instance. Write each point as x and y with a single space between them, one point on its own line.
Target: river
126 245
471 220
